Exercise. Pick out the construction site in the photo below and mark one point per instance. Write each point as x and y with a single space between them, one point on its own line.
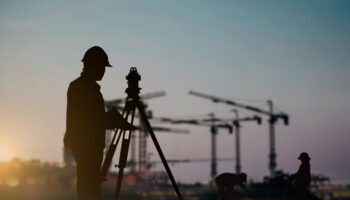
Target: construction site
243 100
142 180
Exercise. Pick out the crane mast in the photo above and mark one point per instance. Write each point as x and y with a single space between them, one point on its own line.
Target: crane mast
237 125
214 131
143 143
238 144
272 155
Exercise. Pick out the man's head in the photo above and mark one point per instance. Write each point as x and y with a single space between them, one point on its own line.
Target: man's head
243 177
304 157
95 60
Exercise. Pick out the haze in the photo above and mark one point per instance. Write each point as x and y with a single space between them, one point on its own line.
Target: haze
293 52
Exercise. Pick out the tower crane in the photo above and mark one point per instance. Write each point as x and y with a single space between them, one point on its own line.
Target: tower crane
272 121
142 134
213 130
236 123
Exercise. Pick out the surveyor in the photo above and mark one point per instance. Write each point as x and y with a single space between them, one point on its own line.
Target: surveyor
302 177
87 121
226 182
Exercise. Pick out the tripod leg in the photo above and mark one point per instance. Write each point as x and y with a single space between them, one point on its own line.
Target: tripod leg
123 154
112 148
108 160
123 157
160 152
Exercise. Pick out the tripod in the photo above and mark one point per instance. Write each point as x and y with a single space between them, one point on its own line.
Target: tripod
132 102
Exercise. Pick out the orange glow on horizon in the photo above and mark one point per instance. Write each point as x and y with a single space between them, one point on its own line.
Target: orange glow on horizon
7 151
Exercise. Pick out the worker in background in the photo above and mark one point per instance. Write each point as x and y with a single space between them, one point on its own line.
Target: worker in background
226 182
303 177
87 121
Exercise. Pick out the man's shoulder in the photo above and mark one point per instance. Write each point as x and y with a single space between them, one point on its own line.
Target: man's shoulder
76 82
76 85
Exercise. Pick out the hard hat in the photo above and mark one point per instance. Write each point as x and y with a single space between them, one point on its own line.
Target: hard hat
304 156
96 55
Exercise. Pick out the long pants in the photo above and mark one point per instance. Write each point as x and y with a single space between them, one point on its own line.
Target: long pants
88 171
302 193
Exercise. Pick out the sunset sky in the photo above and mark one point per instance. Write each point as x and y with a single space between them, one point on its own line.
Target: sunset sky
293 52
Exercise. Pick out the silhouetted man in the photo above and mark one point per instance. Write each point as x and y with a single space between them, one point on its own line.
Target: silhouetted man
87 122
302 177
226 182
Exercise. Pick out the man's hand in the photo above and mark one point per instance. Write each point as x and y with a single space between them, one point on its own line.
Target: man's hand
119 121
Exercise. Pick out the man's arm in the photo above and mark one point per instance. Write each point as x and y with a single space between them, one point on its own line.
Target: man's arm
113 119
110 119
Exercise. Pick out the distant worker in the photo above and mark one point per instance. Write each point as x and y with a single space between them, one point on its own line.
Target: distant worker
302 177
87 121
226 182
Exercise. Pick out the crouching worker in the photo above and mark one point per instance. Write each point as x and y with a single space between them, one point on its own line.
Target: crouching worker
226 182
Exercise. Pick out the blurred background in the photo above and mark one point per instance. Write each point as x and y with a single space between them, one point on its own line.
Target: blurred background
294 53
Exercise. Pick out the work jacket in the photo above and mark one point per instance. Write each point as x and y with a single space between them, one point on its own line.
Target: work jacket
86 119
303 177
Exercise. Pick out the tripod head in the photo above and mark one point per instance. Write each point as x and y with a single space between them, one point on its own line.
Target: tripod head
133 79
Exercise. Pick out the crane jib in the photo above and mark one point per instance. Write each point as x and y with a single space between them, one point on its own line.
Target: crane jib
252 108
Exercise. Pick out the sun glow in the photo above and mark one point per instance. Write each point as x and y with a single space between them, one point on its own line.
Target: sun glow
7 151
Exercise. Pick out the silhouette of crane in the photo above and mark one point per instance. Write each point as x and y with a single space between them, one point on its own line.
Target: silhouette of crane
142 130
236 123
272 121
213 130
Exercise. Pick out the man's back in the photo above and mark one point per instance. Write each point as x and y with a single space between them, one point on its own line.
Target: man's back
85 114
303 177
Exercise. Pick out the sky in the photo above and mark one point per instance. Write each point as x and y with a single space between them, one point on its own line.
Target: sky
295 53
